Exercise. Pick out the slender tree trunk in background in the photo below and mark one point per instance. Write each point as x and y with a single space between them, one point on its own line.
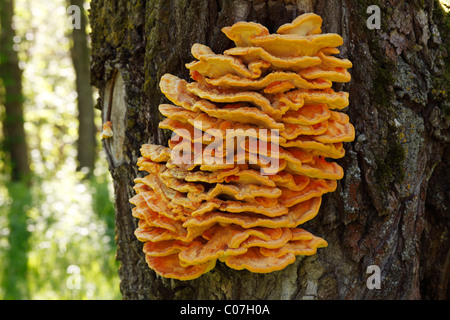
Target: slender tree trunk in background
15 143
391 208
86 126
14 280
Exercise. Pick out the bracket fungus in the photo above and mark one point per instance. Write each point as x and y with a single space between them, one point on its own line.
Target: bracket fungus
107 131
254 135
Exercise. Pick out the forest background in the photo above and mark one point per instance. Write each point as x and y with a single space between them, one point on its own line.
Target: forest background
56 206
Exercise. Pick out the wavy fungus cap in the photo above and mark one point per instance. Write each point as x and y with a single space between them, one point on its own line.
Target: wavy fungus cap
254 135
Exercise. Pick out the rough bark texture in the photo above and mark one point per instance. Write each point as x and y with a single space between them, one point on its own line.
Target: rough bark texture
391 208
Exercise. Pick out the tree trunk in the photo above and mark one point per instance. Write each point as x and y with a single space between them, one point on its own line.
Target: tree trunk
15 146
390 210
14 134
86 144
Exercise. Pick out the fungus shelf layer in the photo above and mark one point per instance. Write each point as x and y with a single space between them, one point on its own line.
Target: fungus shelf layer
255 133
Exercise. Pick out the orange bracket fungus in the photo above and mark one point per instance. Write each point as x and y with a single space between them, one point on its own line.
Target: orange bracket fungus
255 133
107 131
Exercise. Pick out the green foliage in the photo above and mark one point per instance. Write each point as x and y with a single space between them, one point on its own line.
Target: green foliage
102 204
51 226
15 259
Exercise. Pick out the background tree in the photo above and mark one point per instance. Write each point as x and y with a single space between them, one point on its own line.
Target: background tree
14 140
80 52
391 208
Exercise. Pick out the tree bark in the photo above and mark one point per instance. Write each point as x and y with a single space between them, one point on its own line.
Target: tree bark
15 143
391 208
86 144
